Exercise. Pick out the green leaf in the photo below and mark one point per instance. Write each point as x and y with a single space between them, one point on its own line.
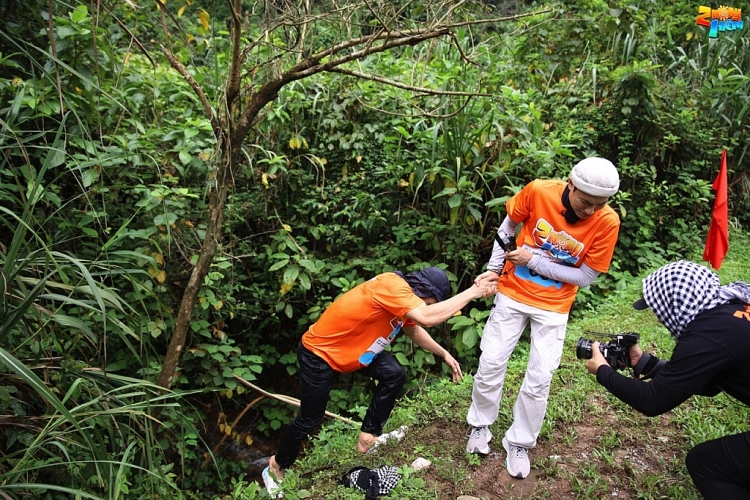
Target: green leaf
290 274
469 337
34 192
307 264
191 132
79 14
165 219
64 32
497 201
279 265
72 322
455 201
304 281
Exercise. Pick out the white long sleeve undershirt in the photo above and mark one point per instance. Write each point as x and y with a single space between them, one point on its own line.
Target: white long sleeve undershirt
579 276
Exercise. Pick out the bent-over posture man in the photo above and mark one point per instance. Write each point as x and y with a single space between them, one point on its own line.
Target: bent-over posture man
352 335
567 239
712 326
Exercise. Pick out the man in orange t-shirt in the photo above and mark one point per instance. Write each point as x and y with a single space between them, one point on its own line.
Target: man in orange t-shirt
567 238
351 336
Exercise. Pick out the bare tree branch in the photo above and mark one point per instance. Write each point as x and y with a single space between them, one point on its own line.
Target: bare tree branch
390 44
393 83
460 49
427 114
233 79
133 38
215 125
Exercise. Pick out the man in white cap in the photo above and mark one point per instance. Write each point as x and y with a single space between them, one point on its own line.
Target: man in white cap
567 238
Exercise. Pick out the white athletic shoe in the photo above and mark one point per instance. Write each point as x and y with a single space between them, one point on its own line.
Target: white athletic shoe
479 438
274 490
517 462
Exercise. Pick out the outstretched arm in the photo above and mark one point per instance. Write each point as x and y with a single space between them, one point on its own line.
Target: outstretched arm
434 314
424 340
650 398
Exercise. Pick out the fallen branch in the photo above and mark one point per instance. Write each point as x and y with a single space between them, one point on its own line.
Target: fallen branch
292 401
234 424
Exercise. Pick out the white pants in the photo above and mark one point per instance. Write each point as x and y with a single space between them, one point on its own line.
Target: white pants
501 333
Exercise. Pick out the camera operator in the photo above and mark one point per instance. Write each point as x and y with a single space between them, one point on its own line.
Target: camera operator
712 326
567 238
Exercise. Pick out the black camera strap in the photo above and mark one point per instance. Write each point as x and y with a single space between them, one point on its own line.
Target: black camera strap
508 245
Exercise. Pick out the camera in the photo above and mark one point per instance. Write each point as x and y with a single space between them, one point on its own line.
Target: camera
507 243
616 351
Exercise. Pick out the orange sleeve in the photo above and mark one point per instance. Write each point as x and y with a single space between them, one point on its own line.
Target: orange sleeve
396 297
600 254
519 206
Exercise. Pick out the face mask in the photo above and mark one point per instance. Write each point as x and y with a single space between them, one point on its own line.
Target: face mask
568 213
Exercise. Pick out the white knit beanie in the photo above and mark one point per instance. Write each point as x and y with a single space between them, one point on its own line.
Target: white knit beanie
596 177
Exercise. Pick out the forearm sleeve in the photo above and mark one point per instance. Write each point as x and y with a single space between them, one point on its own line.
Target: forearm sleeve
497 259
649 398
648 366
580 276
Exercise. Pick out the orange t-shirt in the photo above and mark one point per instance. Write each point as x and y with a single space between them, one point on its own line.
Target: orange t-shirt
360 324
545 232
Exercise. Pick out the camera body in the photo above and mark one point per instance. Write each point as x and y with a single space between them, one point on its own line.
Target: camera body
507 243
616 351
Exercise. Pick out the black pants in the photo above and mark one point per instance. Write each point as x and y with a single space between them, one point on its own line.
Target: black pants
316 380
721 468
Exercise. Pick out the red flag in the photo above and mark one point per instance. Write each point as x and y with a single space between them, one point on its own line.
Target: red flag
717 241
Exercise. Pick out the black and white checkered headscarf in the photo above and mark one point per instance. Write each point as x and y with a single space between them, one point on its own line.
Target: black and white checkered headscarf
373 482
681 290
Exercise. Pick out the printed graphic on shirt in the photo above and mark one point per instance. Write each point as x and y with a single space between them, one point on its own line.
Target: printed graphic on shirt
381 343
743 314
559 244
525 273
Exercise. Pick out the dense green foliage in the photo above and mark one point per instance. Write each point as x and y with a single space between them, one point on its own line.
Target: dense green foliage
107 161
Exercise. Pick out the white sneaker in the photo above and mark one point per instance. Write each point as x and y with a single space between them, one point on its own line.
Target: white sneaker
274 490
479 438
517 462
391 437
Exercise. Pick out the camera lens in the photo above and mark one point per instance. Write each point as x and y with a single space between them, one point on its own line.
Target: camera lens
583 348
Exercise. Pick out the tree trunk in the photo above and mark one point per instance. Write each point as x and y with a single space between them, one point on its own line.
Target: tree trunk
217 203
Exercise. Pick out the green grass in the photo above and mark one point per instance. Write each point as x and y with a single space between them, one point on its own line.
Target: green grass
591 445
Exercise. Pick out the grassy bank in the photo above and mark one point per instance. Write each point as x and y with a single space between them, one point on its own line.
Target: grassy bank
591 445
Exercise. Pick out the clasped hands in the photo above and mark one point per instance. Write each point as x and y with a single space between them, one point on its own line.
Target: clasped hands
487 283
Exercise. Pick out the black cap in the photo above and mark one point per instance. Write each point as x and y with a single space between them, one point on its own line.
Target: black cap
441 287
640 304
430 282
